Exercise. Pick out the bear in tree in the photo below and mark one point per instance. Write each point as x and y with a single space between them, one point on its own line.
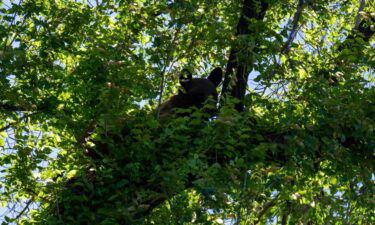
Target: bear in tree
193 92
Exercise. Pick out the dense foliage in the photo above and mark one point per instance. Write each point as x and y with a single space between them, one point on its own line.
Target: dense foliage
81 143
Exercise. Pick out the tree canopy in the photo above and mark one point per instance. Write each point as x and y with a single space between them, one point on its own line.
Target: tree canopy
292 143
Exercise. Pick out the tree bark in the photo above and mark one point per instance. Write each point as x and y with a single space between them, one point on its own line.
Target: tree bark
252 9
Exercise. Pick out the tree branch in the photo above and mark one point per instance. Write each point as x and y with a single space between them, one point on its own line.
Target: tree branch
250 10
286 47
266 206
285 216
162 82
28 203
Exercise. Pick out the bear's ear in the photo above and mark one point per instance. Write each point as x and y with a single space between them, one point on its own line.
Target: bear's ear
185 77
215 76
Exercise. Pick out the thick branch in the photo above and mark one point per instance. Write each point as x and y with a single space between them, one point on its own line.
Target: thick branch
293 32
251 10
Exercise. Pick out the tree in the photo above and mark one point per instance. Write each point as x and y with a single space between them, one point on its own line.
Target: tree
293 142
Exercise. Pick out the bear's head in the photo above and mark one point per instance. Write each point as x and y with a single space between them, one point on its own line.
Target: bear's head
193 92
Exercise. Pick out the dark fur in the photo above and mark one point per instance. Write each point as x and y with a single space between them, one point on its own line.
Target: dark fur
193 92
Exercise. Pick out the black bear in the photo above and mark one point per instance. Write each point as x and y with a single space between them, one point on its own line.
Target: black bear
193 92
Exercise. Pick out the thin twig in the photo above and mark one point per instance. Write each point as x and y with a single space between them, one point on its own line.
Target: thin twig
25 208
161 91
161 88
58 208
90 4
242 195
286 47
